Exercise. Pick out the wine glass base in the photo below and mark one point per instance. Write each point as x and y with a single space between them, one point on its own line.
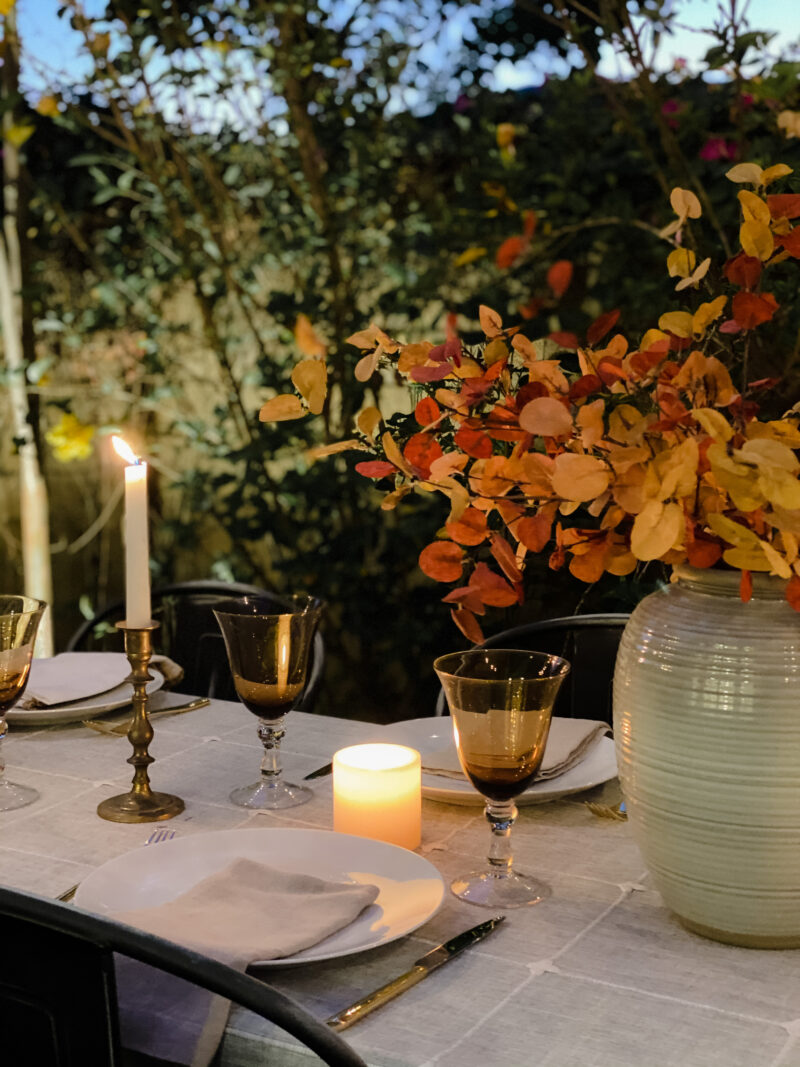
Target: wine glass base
271 797
489 889
16 796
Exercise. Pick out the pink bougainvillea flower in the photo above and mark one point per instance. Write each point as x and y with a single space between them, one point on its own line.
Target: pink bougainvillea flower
719 148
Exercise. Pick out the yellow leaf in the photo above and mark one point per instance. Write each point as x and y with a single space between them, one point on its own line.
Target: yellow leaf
680 262
468 368
281 408
749 173
494 351
754 209
746 559
766 452
656 529
684 203
6 6
676 469
714 423
469 256
695 277
627 425
578 477
394 455
320 451
732 532
706 314
48 106
739 480
490 321
310 379
789 122
756 239
550 374
306 337
391 500
780 170
17 135
778 564
413 356
677 322
785 430
590 421
781 488
368 420
651 338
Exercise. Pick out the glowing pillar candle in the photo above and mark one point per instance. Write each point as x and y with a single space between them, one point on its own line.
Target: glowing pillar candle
377 792
137 551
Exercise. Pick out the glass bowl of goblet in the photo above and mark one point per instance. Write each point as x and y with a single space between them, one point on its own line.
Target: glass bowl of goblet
19 622
501 703
269 642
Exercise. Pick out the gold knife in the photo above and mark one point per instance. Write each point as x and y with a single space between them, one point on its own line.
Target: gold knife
421 969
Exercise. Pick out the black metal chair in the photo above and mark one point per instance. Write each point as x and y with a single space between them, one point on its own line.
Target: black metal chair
58 998
190 636
589 642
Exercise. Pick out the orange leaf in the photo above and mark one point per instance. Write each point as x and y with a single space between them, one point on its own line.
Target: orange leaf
470 528
534 530
310 379
467 624
466 597
559 277
504 554
442 561
589 566
421 450
601 326
793 592
529 221
784 205
509 251
751 309
702 553
546 417
375 468
426 411
474 442
494 590
746 586
306 337
743 270
281 408
490 321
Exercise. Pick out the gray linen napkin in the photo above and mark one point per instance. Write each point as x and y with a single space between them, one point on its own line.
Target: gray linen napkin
568 742
73 676
245 912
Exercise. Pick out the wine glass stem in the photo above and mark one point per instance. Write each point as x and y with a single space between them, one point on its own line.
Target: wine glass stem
271 731
501 816
3 735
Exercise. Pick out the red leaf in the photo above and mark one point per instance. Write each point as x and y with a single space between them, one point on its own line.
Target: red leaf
426 411
467 624
509 251
430 374
421 450
475 443
529 223
793 592
534 530
784 205
791 242
730 326
467 597
601 326
504 554
746 586
643 362
751 309
503 425
442 561
470 529
585 386
376 468
702 553
559 277
564 338
610 370
494 590
531 309
743 270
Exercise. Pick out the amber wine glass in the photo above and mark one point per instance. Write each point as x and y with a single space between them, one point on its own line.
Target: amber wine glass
268 643
19 621
501 703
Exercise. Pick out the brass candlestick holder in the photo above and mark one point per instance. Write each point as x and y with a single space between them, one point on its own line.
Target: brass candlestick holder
141 804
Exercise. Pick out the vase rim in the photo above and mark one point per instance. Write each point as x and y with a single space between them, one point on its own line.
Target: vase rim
724 583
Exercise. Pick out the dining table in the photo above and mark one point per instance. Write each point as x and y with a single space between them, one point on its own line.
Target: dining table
598 975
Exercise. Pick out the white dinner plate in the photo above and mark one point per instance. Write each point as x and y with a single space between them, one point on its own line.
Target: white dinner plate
89 708
429 735
411 890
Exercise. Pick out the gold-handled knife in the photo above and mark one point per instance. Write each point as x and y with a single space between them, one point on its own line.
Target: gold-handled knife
421 969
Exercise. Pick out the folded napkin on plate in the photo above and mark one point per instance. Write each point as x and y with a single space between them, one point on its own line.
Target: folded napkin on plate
245 912
568 742
73 676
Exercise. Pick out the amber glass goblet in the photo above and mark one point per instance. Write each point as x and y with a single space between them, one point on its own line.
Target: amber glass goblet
19 621
268 643
501 703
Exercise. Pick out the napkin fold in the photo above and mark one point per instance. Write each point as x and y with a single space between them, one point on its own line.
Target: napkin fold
247 911
72 676
569 742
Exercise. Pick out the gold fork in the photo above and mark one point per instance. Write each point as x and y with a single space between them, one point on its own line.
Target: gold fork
119 729
604 811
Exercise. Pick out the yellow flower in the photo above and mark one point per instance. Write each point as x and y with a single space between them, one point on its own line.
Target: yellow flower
789 122
70 439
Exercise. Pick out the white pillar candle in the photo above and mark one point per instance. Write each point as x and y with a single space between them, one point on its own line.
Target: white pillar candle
377 792
137 550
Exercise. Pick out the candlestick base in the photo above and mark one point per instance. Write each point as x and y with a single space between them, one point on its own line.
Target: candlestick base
140 804
135 807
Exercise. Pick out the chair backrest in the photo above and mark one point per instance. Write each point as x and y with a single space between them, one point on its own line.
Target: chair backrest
589 642
58 1001
189 635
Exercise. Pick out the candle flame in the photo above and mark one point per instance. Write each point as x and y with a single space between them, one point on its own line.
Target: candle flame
123 449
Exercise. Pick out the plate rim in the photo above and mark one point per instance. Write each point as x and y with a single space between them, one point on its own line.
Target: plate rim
539 793
79 709
306 955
